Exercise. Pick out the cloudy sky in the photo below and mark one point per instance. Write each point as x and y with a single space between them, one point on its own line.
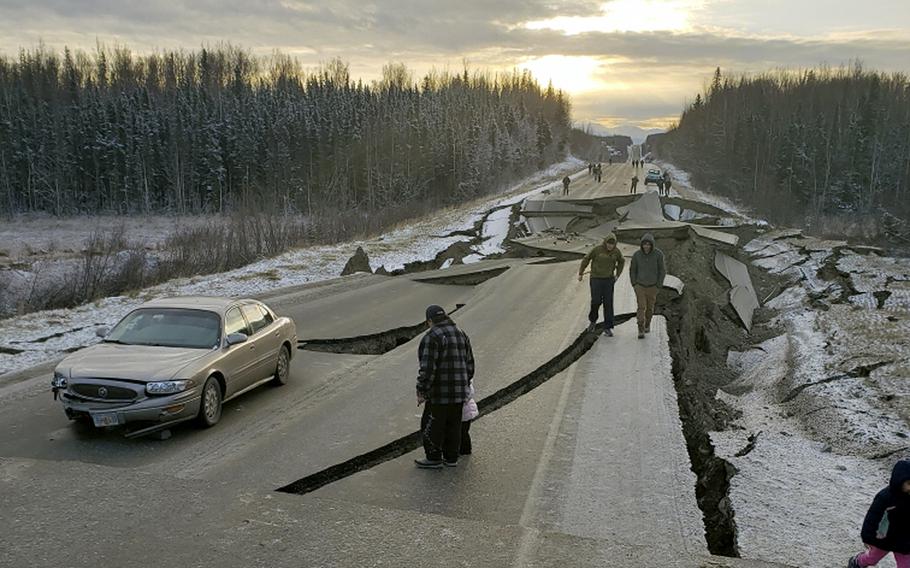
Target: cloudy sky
624 63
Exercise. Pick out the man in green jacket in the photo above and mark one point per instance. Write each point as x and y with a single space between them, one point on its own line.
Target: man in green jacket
606 265
647 273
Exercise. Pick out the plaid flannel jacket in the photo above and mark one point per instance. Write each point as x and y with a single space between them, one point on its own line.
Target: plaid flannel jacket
446 364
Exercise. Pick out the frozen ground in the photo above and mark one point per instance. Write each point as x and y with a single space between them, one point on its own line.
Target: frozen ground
682 187
31 339
825 406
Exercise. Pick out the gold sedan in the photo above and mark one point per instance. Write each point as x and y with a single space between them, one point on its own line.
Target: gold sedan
173 360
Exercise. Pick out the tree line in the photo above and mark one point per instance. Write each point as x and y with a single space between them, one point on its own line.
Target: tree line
807 146
219 130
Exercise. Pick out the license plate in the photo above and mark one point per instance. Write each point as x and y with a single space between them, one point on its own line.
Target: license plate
109 419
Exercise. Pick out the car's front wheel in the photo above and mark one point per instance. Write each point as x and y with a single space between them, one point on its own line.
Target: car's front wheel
283 367
210 406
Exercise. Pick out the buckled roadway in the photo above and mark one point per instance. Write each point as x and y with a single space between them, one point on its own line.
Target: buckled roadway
588 469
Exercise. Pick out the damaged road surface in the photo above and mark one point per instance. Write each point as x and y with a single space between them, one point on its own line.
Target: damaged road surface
586 469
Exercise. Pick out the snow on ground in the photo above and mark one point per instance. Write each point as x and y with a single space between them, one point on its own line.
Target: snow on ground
797 502
34 338
817 435
682 187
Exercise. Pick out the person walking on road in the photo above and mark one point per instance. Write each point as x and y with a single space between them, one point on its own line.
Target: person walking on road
565 185
886 527
599 171
660 187
634 184
443 385
647 273
667 184
590 169
606 265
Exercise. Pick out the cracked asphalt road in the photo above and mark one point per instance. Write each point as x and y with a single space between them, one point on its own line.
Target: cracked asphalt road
580 468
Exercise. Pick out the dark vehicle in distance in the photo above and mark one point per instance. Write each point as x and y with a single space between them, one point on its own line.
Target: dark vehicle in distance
653 176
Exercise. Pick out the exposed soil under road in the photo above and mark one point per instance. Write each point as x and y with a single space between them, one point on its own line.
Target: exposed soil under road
702 328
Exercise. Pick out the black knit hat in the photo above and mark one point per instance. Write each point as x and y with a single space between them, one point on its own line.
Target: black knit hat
436 313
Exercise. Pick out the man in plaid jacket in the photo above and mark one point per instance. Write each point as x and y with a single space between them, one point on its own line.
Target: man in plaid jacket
446 369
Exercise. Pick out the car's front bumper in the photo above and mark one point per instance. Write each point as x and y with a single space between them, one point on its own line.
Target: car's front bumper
153 411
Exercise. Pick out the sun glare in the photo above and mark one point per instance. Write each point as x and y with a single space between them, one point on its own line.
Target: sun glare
625 16
571 74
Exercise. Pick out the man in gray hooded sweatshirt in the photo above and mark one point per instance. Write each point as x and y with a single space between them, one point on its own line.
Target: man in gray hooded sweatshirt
647 273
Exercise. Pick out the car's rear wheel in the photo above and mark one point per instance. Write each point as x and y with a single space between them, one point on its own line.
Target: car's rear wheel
283 367
210 406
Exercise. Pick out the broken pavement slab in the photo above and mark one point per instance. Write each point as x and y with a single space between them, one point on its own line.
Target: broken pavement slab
715 235
674 283
549 206
456 272
576 246
646 209
742 294
545 223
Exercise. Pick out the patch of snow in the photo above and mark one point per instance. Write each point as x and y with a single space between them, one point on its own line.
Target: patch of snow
448 262
796 501
682 187
494 232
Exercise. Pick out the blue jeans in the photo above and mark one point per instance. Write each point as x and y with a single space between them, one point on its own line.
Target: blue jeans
602 293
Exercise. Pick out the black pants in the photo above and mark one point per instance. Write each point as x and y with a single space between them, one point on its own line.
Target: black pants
602 293
441 429
465 439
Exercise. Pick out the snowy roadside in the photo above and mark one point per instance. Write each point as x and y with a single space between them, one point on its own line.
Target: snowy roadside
29 340
682 187
824 407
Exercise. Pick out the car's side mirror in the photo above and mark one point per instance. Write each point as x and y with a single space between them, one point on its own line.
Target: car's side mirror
102 332
235 338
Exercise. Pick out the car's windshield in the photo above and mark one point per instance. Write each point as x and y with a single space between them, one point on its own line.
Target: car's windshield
168 327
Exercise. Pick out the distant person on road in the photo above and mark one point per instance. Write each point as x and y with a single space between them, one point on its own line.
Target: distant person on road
606 265
634 184
660 186
667 184
611 160
443 384
647 273
886 527
590 169
599 170
565 185
468 413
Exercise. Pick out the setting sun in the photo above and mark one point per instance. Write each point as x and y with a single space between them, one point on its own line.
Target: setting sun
571 74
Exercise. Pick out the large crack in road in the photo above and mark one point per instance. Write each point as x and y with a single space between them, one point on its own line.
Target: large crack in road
487 405
702 329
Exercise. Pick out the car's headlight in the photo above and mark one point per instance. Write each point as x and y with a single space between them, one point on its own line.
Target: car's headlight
169 387
59 380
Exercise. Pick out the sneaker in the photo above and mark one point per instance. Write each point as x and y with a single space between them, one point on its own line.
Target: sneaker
428 463
608 332
641 334
853 562
450 464
591 327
